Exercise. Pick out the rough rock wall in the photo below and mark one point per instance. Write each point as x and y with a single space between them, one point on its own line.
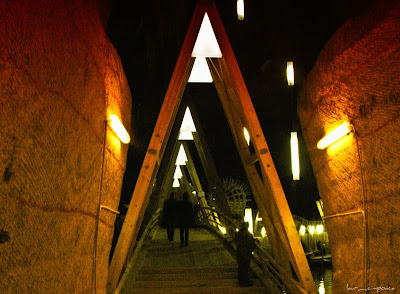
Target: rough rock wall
60 78
357 79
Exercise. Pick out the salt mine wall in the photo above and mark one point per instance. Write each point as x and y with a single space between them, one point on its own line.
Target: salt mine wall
60 78
356 79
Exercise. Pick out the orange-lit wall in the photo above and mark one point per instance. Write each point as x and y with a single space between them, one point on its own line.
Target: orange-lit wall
357 79
59 79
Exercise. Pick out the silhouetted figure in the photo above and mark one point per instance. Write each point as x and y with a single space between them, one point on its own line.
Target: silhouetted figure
245 246
170 215
185 218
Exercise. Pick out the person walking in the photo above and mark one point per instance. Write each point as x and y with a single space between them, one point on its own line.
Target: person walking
170 216
185 218
245 246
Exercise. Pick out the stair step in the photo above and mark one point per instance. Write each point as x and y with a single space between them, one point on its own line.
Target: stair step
185 283
186 276
186 270
198 290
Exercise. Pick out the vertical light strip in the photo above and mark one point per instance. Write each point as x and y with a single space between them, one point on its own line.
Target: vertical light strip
290 73
294 146
248 217
246 136
240 9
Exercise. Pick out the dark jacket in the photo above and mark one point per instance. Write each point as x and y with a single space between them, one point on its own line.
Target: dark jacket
245 243
185 213
169 211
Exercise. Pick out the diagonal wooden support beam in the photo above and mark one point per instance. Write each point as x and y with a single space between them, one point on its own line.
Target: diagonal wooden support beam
154 152
192 169
163 183
267 165
209 167
257 186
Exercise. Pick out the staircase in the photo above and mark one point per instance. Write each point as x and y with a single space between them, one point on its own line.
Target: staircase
205 266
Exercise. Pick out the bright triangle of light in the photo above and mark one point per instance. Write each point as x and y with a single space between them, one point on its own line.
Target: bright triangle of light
185 136
181 158
206 43
178 173
175 184
187 122
200 71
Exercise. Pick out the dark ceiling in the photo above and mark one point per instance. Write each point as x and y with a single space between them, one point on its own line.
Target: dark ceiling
148 38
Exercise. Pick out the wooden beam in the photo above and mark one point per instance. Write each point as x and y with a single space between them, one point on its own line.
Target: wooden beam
267 165
155 151
209 167
256 184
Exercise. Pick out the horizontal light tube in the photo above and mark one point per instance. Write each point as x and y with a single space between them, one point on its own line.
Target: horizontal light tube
335 135
119 129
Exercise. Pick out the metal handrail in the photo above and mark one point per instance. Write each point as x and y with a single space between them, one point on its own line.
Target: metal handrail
264 260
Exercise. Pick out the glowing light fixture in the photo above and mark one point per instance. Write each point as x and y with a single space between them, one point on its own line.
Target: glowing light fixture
223 230
248 217
335 135
181 158
263 233
294 146
240 9
200 72
290 73
321 287
302 230
178 173
311 229
119 129
175 184
320 229
246 135
320 206
206 43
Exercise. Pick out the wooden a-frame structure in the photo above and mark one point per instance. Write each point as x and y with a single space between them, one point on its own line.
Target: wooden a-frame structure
260 169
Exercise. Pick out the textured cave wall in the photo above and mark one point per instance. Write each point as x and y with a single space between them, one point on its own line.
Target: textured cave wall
357 79
59 79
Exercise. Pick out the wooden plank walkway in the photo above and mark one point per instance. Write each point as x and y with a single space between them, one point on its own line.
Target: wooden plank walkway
205 266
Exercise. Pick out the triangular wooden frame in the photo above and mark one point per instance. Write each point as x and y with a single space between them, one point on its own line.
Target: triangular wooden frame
239 110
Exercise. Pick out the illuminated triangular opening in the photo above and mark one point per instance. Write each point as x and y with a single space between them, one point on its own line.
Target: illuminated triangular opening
187 122
175 184
206 43
181 158
178 173
185 136
200 72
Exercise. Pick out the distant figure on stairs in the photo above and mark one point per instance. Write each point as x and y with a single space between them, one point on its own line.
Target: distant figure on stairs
169 214
185 218
245 246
